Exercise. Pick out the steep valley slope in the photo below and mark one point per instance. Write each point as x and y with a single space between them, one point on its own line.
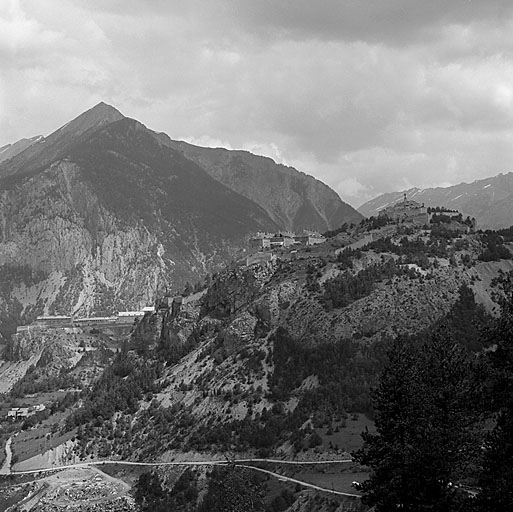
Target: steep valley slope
274 359
271 352
103 215
294 200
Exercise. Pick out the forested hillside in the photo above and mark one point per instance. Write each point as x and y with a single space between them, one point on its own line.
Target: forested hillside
280 359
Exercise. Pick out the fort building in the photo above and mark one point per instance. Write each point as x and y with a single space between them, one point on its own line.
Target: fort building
285 239
407 210
65 322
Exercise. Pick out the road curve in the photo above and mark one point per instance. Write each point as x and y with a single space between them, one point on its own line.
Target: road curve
300 482
180 463
242 463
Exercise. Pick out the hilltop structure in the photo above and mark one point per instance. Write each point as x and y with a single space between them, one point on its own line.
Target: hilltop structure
415 213
407 210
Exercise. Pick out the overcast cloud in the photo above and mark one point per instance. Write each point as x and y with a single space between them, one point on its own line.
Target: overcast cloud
368 96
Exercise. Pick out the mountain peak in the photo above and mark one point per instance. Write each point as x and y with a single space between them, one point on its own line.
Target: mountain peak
97 116
49 149
100 114
105 109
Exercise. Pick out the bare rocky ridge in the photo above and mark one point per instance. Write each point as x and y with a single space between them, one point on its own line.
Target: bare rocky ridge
11 150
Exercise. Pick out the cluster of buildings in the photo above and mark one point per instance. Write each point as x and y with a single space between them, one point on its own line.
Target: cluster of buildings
123 318
285 239
24 412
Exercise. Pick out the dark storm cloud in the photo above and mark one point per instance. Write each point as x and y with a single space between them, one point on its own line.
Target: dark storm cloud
391 21
388 21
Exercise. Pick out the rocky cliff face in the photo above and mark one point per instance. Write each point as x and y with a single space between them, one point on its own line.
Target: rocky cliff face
50 359
490 200
294 200
77 256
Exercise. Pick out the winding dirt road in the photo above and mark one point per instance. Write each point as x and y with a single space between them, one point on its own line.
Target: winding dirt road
242 463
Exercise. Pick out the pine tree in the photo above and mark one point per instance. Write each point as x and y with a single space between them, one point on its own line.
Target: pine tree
497 477
389 452
427 425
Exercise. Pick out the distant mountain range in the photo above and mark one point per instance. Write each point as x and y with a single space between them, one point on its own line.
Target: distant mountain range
104 213
11 150
489 200
294 200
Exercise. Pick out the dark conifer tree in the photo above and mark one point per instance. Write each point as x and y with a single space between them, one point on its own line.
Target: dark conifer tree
497 478
388 452
427 426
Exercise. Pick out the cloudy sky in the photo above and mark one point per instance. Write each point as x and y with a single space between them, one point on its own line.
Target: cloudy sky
367 95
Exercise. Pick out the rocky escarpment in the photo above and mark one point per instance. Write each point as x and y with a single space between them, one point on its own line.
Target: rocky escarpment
236 289
48 359
68 254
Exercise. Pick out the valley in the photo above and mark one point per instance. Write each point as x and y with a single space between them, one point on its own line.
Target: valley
269 366
105 214
256 256
176 335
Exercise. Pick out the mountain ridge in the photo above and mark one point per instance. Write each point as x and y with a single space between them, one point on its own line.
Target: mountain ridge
489 200
292 198
309 203
51 148
102 215
11 150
